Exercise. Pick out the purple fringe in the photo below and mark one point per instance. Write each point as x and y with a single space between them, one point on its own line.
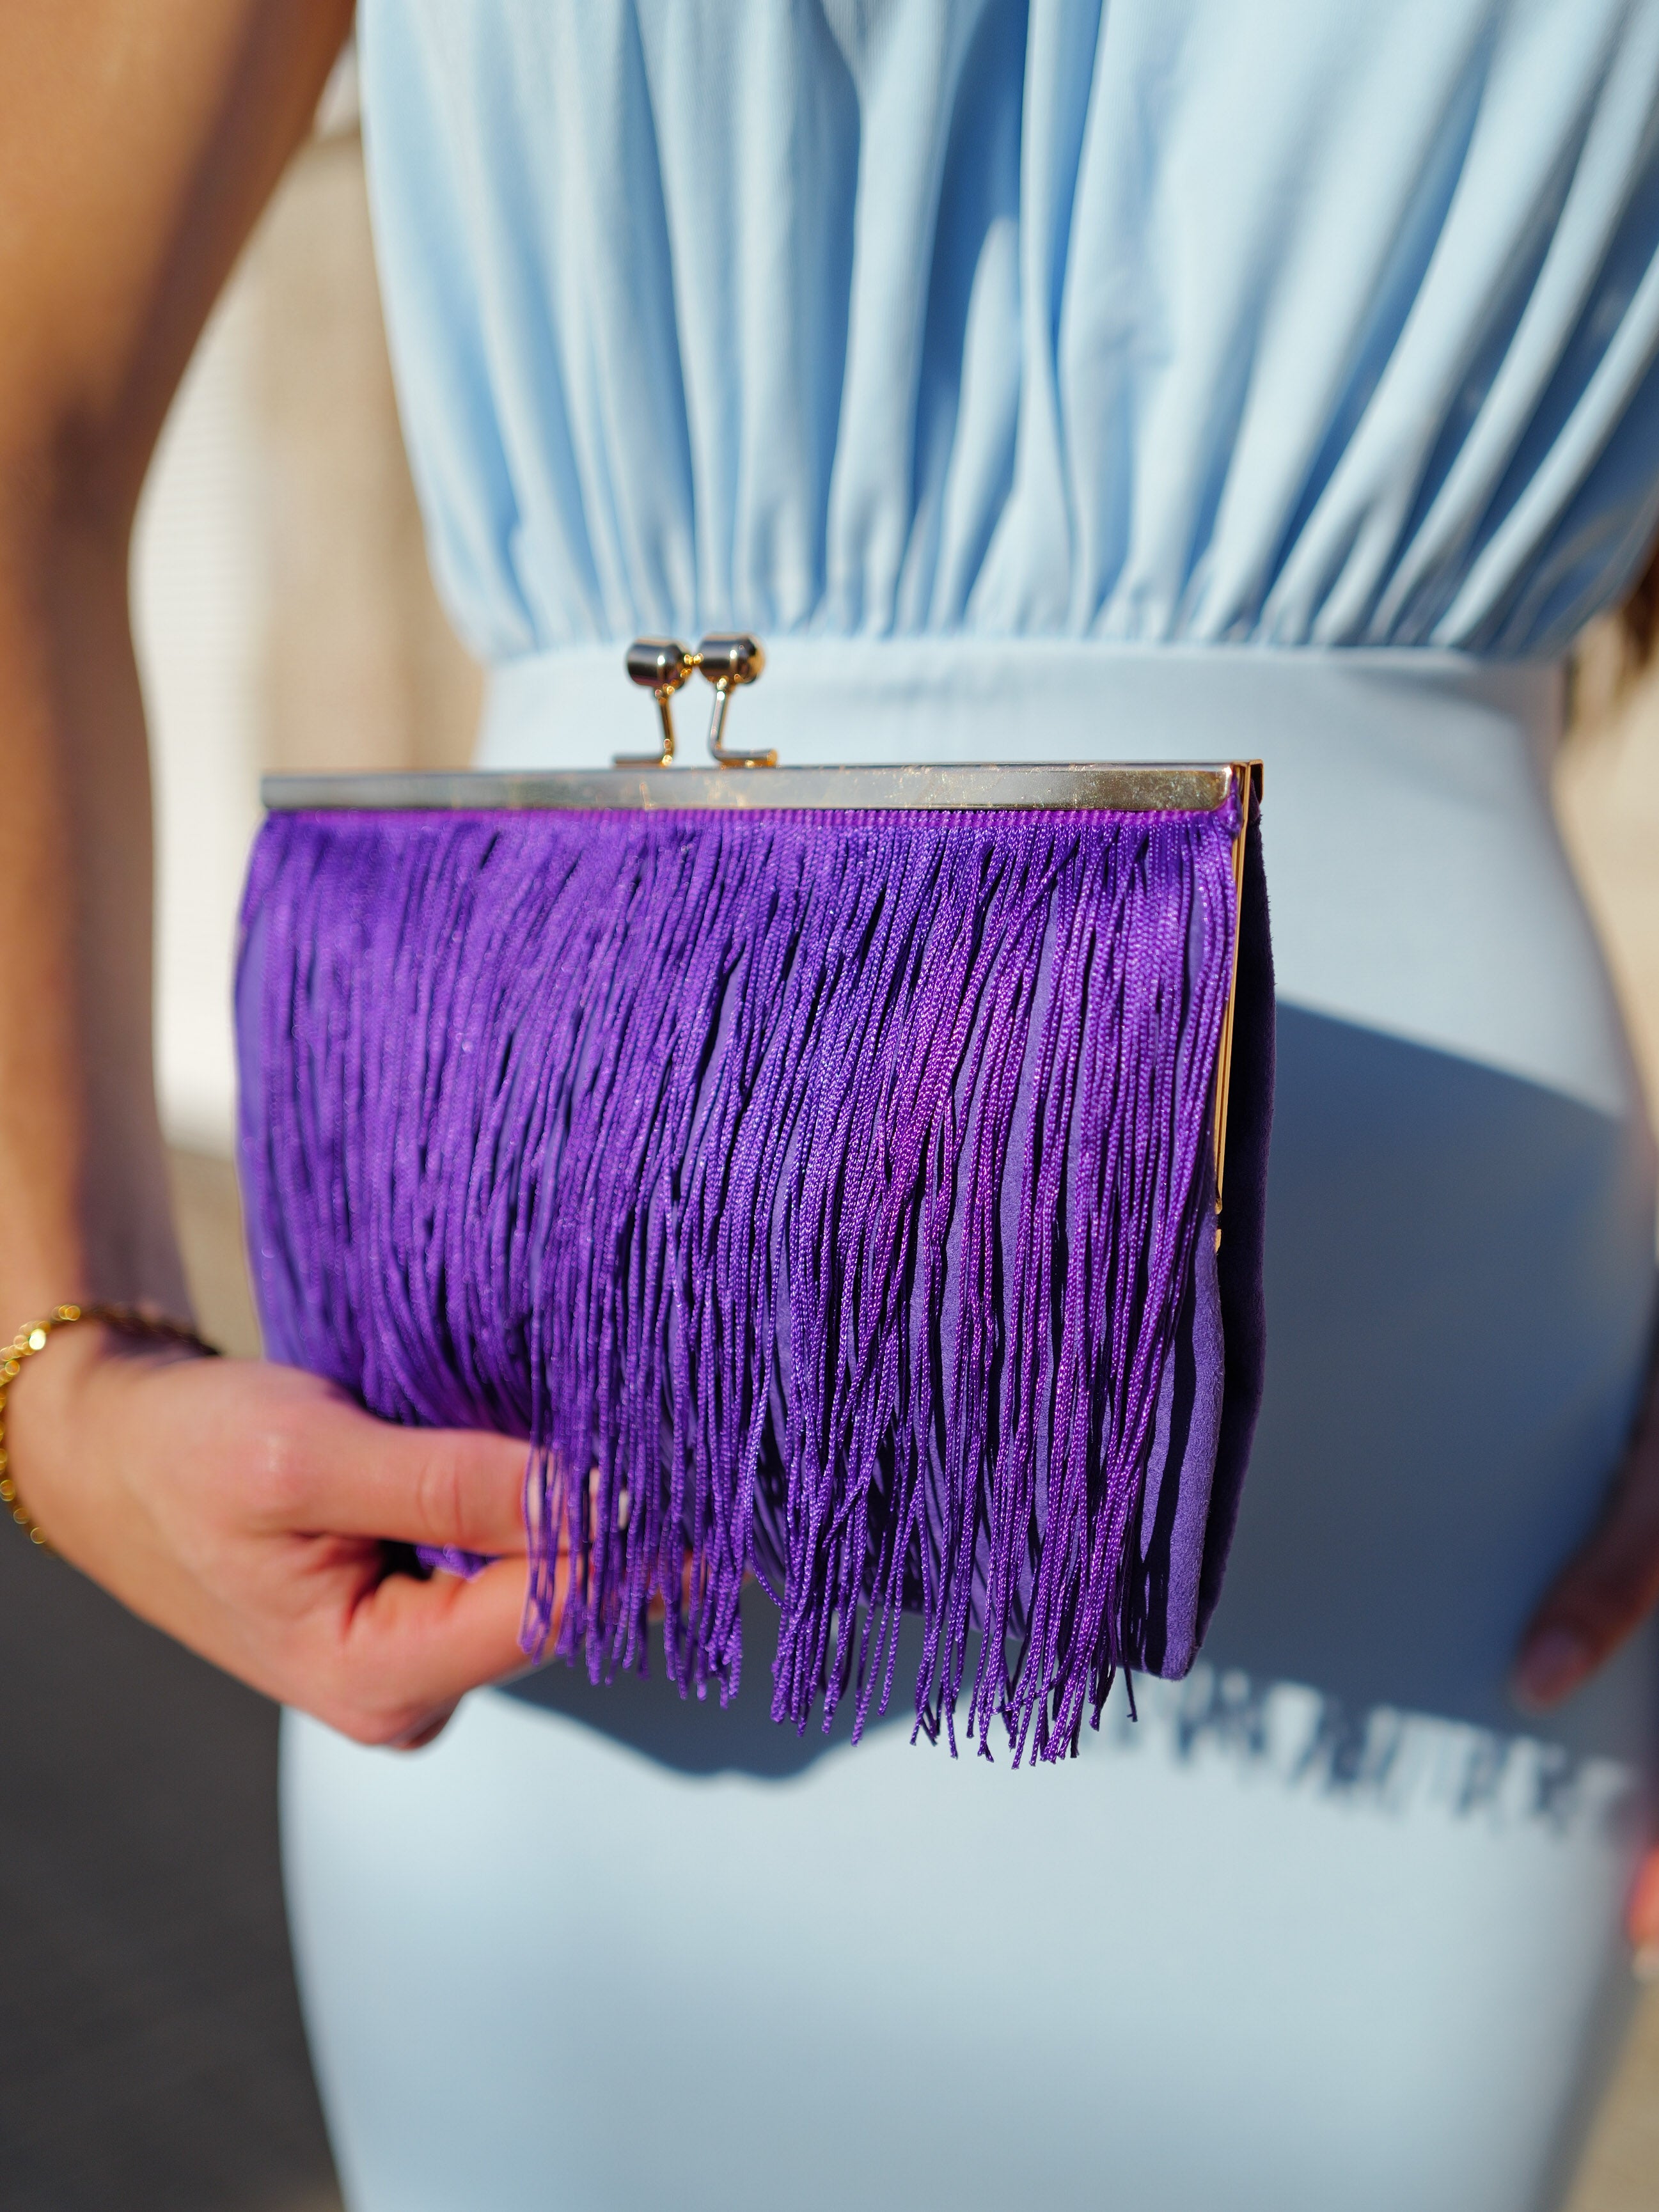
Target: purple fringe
818 1195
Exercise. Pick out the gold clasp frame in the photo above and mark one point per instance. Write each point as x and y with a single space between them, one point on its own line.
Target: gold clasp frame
726 662
661 664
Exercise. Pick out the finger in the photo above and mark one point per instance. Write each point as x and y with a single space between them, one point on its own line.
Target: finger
352 1475
428 1732
414 1649
1607 1590
1643 1919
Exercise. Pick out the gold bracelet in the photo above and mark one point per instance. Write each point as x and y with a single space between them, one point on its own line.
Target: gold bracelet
35 1335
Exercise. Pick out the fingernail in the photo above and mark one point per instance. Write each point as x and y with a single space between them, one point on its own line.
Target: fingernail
1553 1664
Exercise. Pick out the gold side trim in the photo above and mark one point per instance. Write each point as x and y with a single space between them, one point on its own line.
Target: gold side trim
1249 779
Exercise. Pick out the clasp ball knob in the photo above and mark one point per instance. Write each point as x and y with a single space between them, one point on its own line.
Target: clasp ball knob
659 664
729 661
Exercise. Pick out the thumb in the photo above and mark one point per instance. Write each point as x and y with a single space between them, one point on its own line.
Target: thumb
457 1489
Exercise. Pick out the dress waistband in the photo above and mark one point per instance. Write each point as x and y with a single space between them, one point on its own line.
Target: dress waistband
828 701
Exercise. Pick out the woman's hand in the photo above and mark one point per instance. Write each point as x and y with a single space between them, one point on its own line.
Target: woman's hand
1610 1583
1605 1590
242 1507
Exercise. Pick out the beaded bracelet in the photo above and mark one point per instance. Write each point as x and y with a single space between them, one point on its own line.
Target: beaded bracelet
35 1335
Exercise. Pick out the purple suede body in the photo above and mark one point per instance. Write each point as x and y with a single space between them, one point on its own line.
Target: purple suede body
826 1196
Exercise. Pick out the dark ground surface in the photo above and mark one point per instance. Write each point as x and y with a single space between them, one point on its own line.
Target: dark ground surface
151 2047
151 2056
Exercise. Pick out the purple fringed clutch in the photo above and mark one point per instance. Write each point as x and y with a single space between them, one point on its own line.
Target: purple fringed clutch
820 1175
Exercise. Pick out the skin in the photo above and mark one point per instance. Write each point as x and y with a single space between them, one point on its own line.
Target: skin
243 1507
1605 1590
239 1506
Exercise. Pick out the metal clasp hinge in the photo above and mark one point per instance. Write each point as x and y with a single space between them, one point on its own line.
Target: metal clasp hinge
661 664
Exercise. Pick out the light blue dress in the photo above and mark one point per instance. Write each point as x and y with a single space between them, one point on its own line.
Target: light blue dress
1170 378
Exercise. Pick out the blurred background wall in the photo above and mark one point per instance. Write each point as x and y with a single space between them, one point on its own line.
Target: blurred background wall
284 617
151 2051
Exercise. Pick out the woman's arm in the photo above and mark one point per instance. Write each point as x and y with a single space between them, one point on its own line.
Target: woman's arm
237 1505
